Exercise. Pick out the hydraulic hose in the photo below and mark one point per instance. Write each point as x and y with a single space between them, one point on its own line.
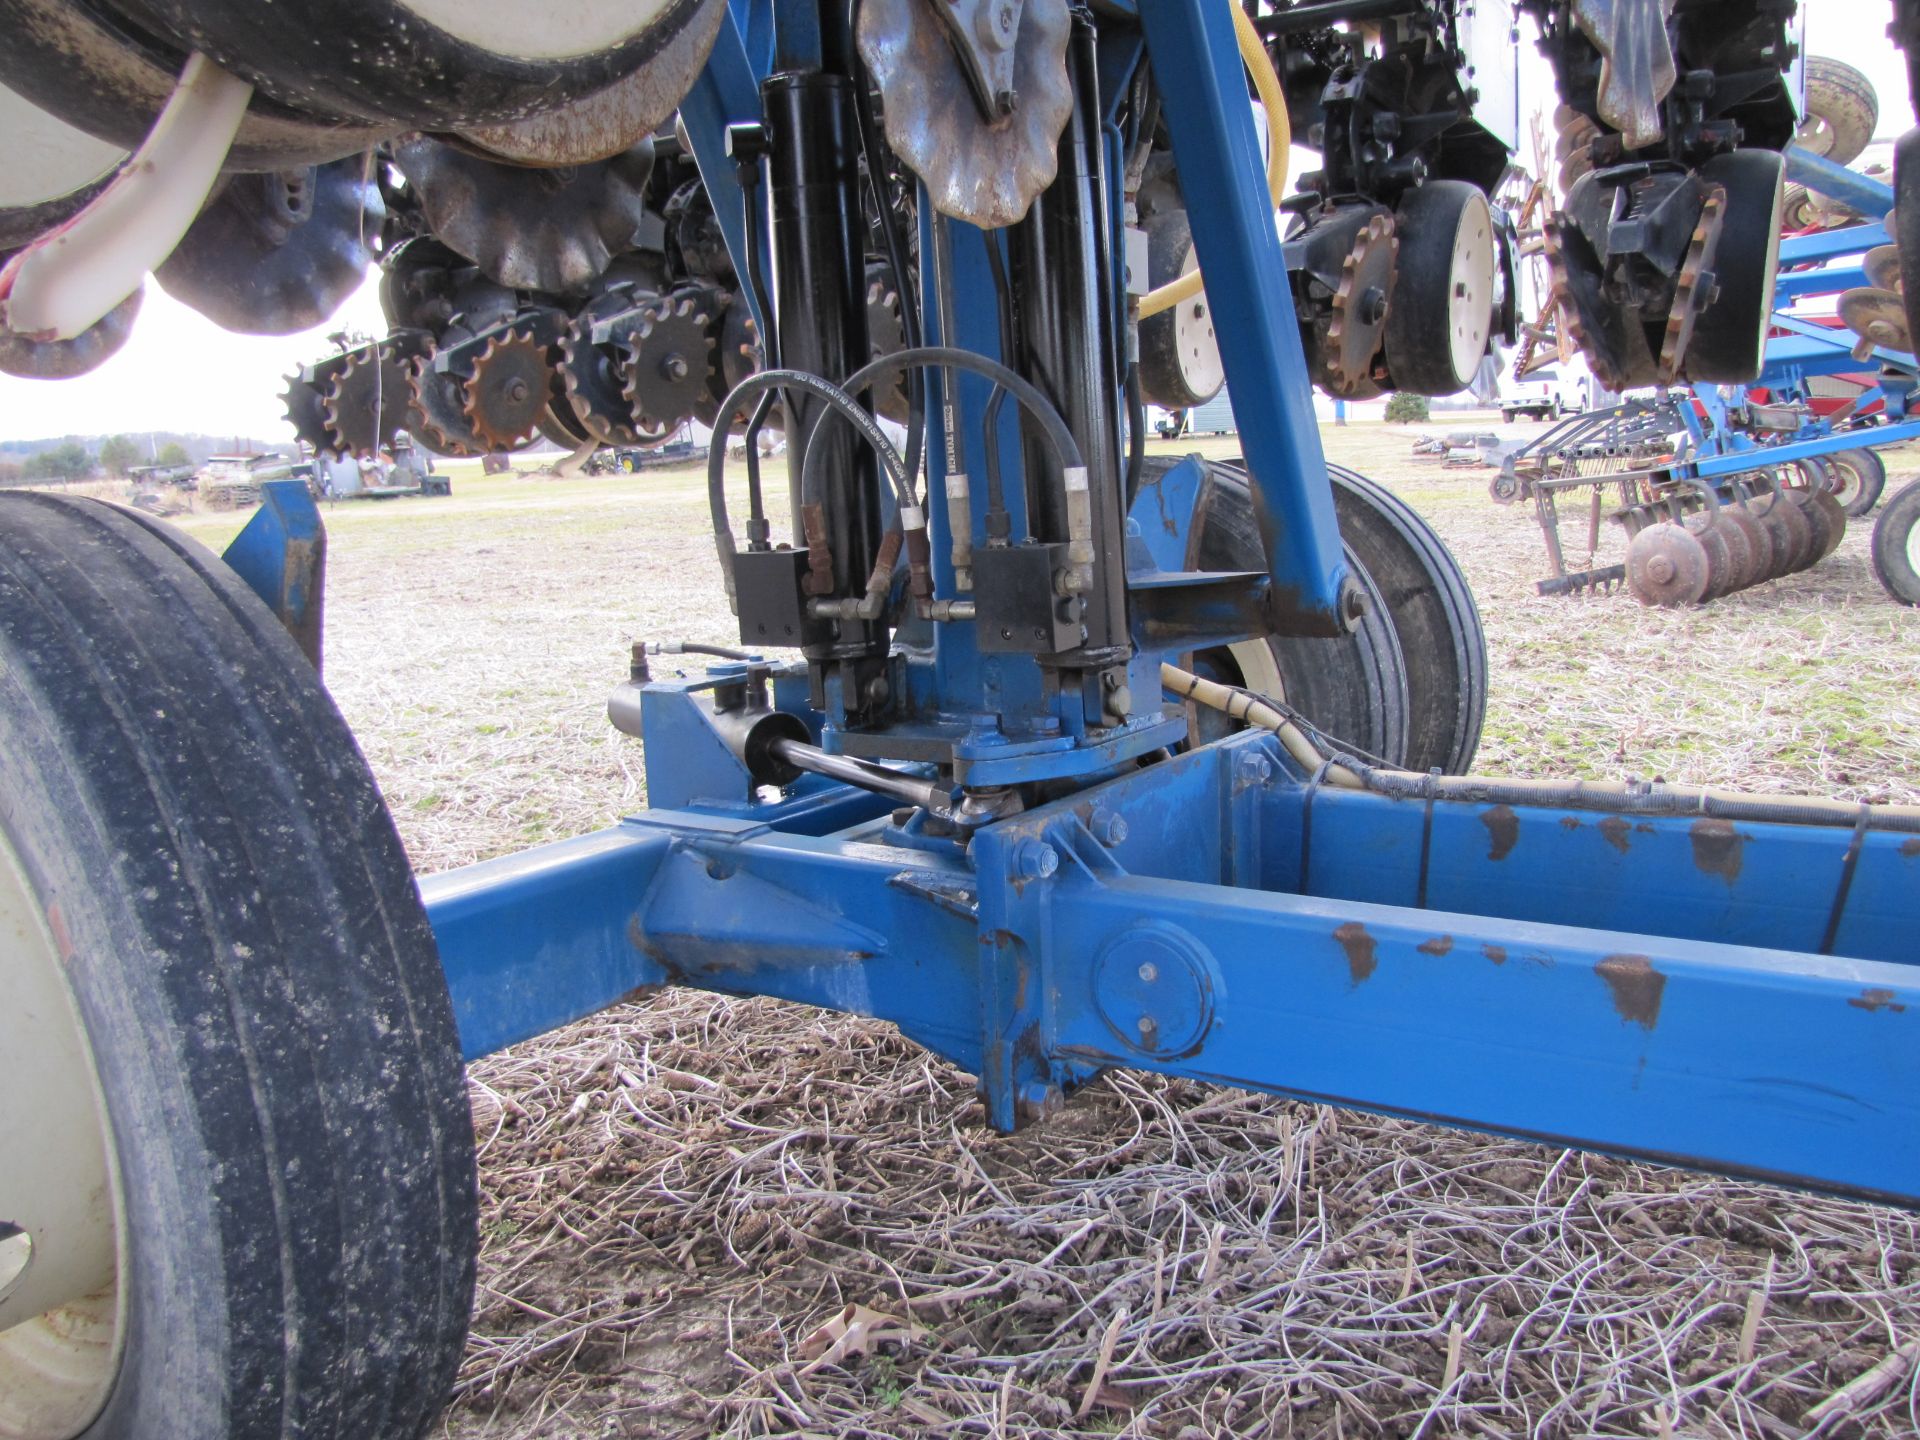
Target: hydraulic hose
1065 448
1617 797
1253 53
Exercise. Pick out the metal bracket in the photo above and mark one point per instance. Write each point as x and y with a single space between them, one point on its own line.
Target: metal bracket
984 33
282 555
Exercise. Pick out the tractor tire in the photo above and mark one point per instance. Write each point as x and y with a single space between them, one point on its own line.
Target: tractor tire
240 958
1842 111
1896 545
1434 619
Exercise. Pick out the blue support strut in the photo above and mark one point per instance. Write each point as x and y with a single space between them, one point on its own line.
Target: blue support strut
1223 178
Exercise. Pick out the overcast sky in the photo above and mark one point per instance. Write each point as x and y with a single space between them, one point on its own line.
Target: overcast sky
181 372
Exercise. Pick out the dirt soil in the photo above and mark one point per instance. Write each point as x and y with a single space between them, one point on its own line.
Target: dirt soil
676 1195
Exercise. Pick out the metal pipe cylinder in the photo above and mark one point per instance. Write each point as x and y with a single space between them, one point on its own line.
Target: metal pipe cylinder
819 283
923 793
1062 275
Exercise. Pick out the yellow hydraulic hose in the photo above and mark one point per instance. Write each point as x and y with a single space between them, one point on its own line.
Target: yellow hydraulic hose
1279 140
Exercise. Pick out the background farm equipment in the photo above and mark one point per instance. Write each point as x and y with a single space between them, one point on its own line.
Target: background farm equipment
1693 473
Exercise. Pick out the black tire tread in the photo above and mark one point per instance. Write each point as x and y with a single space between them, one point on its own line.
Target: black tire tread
286 984
1891 566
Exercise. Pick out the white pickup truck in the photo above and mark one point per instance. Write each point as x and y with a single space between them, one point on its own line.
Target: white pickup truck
1545 394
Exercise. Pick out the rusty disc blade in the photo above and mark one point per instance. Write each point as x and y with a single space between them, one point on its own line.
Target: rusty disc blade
1829 505
1786 533
1879 316
1738 572
1882 264
1759 541
1818 524
1667 565
1805 541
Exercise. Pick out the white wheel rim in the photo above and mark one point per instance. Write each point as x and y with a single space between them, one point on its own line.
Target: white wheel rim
1470 288
46 157
1259 671
62 1313
530 32
1194 344
1913 548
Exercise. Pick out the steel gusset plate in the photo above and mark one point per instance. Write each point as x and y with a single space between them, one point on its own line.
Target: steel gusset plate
986 173
555 231
276 253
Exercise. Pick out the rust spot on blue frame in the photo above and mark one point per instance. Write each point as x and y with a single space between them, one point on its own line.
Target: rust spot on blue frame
1637 987
1503 831
1718 848
1362 950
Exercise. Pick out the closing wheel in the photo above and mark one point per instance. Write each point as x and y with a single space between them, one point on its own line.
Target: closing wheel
238 1193
1856 478
1896 545
1729 339
1441 310
1180 362
1353 687
1432 651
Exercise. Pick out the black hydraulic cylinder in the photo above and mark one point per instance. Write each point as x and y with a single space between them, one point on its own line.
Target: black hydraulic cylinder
1063 281
819 248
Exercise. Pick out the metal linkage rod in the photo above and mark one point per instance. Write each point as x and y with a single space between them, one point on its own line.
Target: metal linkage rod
925 794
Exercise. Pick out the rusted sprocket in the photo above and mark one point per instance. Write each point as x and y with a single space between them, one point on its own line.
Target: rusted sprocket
590 364
506 394
1358 323
667 360
1694 289
369 398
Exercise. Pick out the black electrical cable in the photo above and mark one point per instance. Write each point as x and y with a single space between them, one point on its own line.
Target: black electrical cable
1009 348
749 199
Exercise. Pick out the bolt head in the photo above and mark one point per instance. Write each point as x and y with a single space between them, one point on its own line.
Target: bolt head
674 367
1149 972
1660 569
1035 860
1255 769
